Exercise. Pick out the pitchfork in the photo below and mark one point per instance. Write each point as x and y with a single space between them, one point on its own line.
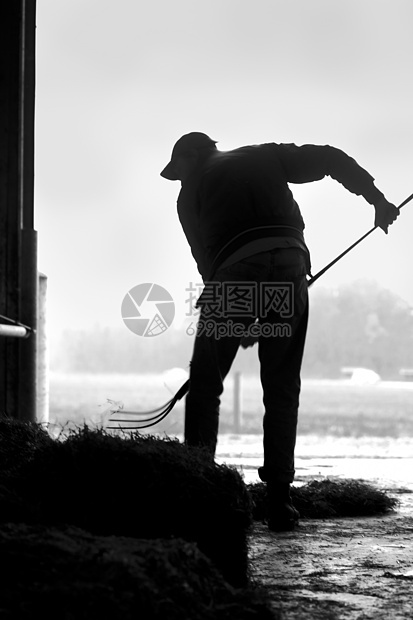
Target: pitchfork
158 414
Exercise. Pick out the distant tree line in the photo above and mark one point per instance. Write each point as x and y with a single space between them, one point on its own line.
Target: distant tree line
360 325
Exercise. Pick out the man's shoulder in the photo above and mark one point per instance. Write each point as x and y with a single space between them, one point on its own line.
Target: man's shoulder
265 148
246 152
250 148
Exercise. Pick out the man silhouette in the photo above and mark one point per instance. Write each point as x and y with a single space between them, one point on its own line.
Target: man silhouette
245 231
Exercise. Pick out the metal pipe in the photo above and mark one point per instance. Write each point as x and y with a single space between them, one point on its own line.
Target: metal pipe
28 275
14 331
27 378
237 403
42 413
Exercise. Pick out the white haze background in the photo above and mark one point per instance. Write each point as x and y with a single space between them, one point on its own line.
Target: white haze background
119 82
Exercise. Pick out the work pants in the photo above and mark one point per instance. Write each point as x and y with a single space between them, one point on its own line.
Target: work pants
280 351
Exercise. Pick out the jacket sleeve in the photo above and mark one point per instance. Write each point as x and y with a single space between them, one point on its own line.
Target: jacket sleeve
303 164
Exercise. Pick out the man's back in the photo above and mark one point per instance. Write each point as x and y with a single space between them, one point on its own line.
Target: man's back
248 187
238 192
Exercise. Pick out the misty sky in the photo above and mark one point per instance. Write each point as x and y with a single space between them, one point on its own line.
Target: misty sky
119 82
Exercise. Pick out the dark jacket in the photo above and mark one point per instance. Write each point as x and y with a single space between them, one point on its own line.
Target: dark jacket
238 196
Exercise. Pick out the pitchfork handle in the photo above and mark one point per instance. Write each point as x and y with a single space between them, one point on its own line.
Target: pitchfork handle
333 262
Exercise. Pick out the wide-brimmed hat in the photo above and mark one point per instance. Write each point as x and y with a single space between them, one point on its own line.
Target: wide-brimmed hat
193 140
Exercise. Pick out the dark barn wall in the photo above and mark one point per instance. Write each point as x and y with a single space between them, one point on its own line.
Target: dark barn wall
18 264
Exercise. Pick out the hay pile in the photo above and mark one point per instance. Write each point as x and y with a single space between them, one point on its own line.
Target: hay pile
137 486
328 498
99 525
94 525
67 573
18 443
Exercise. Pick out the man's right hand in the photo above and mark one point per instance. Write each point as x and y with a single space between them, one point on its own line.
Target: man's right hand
386 214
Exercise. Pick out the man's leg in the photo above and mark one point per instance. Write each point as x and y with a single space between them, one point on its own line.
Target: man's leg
281 359
213 354
211 361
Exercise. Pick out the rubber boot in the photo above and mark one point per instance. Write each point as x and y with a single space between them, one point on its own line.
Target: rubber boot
282 516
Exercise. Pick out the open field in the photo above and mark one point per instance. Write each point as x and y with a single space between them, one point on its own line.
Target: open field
328 407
